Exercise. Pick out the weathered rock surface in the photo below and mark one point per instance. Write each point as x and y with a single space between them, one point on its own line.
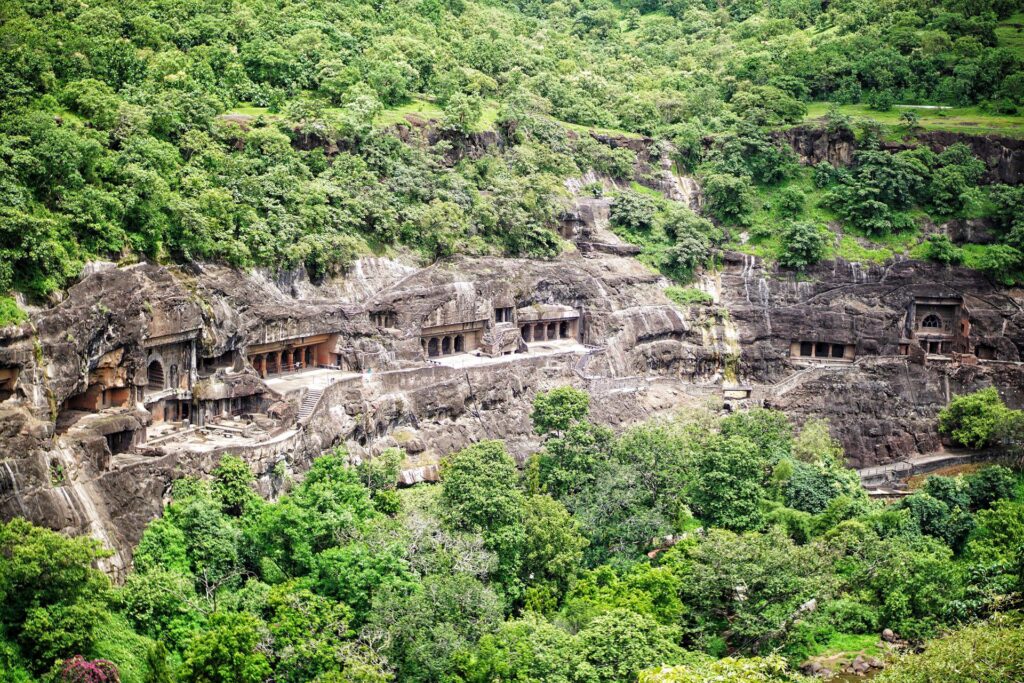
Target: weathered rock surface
1003 156
95 470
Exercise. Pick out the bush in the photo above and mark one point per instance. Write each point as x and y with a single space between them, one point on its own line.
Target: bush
729 197
988 652
803 244
633 210
940 249
1002 263
689 296
970 419
789 202
989 485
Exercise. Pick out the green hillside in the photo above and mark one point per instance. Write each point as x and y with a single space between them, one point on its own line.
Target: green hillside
115 144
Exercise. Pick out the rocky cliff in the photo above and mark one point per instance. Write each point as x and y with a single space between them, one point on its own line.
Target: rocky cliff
144 374
1003 156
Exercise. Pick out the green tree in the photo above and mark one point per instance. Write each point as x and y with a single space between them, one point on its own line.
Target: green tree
232 484
51 597
727 490
552 548
431 631
814 444
970 419
527 650
621 644
478 488
555 411
227 652
633 210
803 244
462 112
157 668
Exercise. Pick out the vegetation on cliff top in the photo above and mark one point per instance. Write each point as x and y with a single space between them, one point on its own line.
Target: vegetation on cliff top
695 549
113 140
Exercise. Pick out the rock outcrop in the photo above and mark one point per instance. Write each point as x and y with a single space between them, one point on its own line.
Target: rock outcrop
145 374
1003 156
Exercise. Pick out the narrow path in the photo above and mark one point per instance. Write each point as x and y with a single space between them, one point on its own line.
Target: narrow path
902 470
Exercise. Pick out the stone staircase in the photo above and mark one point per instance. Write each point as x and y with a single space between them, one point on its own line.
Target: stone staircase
309 402
800 376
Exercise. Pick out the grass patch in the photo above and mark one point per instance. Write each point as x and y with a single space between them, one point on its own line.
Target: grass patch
418 106
1010 34
851 644
247 109
688 296
427 110
643 189
851 250
10 312
600 131
971 120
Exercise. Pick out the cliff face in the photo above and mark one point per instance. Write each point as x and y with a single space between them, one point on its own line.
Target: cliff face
145 374
1003 156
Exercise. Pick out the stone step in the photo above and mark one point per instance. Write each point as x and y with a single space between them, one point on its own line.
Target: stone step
309 402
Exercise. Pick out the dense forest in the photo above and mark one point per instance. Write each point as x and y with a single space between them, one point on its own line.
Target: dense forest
706 547
682 550
120 135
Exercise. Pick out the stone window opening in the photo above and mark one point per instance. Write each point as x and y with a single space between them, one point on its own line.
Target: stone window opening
525 331
822 350
932 321
503 315
155 375
563 330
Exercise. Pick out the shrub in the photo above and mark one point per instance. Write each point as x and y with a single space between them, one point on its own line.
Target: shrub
989 485
10 313
633 210
970 419
729 197
803 244
689 296
940 249
790 202
78 669
988 652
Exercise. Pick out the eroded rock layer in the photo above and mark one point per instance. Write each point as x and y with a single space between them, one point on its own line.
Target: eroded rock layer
144 374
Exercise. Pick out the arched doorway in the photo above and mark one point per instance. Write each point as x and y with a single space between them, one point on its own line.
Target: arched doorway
155 375
460 343
432 349
563 330
446 346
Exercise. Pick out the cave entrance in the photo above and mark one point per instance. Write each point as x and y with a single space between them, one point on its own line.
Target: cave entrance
155 375
120 442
